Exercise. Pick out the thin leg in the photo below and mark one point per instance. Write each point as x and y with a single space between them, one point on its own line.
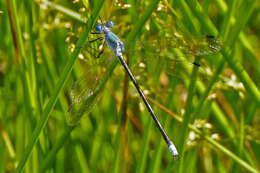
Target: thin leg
170 144
91 41
103 45
196 64
102 51
99 38
210 36
96 33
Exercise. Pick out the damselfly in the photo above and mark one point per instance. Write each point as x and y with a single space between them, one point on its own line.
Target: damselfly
117 46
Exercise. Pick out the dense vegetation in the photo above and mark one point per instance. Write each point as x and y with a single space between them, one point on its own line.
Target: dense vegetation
211 112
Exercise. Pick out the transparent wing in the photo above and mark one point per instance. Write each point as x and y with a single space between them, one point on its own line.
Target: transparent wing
84 94
189 46
83 98
197 45
172 54
87 90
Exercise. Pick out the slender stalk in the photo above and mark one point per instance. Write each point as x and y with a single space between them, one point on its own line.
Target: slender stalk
124 142
188 113
12 23
67 11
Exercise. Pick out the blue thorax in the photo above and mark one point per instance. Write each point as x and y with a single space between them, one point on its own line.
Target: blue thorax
113 42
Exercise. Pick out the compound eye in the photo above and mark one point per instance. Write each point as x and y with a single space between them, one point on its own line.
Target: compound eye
109 24
98 28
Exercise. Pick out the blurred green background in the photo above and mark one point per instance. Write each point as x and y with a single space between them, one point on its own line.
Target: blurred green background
210 112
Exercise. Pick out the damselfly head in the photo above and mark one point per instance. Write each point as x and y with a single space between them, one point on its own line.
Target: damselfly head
98 28
109 24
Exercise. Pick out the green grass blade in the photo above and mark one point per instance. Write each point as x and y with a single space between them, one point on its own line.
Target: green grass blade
187 115
58 88
52 154
64 10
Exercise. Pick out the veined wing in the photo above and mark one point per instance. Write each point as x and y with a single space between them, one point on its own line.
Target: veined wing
190 46
83 98
86 91
167 54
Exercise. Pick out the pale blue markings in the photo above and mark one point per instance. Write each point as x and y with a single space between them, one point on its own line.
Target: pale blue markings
113 42
173 150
